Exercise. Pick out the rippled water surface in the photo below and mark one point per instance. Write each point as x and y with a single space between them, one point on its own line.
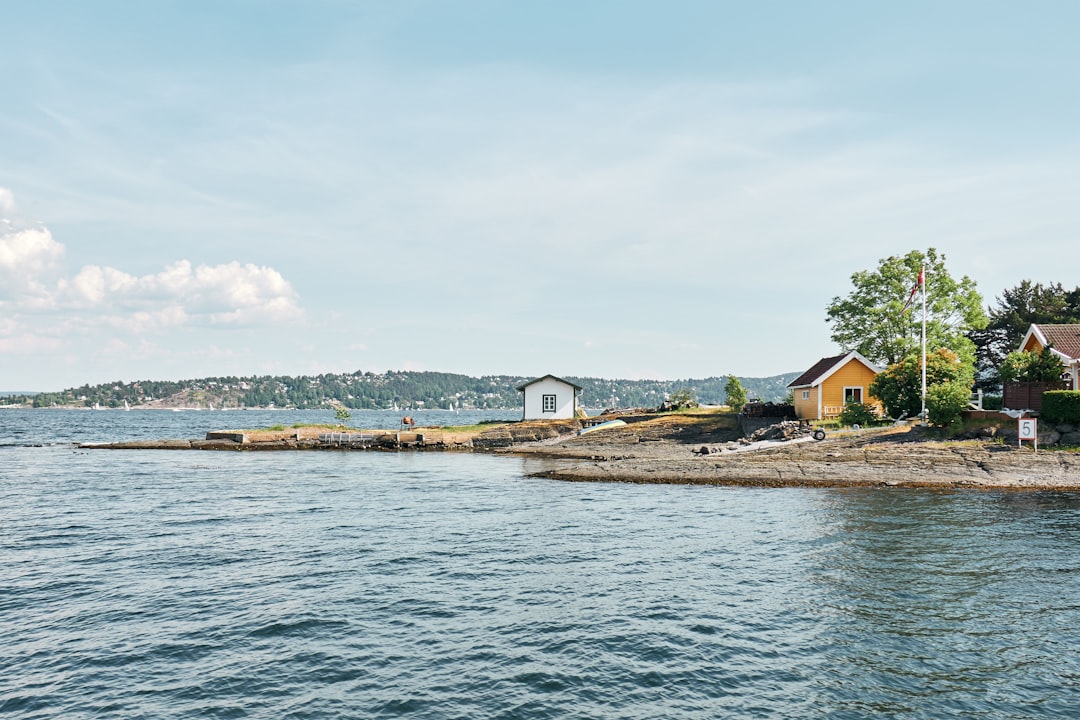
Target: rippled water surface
153 584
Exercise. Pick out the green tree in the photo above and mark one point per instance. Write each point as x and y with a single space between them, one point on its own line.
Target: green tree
1042 366
872 319
736 393
899 386
342 413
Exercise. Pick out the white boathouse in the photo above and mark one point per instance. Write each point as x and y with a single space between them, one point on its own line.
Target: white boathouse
549 398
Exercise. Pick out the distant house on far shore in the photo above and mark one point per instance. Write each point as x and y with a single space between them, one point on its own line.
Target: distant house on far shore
1064 341
833 382
549 398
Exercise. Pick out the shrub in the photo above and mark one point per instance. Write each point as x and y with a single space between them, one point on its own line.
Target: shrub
858 414
946 401
1021 366
683 398
899 387
1061 406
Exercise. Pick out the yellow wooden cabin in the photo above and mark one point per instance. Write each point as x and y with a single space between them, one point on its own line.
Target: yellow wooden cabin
1064 341
833 382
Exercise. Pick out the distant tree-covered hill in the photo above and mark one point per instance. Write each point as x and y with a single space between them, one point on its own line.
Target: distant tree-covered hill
404 389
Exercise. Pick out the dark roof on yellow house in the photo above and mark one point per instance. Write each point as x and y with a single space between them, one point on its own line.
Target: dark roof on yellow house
825 367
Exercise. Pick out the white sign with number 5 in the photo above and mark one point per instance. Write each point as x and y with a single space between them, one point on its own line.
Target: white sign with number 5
1029 429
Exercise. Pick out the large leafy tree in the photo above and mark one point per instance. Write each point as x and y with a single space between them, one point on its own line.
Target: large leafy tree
1014 312
872 319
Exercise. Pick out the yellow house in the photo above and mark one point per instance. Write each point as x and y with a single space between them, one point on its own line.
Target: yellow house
1064 341
833 382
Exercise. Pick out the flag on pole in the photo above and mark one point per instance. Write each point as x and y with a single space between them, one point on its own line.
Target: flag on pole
914 291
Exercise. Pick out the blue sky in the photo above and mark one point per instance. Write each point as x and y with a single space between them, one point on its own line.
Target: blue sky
614 189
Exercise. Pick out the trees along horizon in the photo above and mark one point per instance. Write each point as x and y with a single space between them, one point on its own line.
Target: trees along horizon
882 319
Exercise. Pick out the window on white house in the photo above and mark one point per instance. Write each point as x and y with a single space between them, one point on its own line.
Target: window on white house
549 403
852 395
805 394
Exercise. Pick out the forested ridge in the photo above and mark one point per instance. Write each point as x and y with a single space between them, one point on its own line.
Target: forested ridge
394 389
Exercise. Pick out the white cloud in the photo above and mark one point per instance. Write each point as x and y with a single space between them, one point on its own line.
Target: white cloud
32 279
25 257
29 257
180 294
93 284
21 342
7 203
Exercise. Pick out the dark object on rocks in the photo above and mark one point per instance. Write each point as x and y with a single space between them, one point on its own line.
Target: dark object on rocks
704 450
819 434
787 430
769 410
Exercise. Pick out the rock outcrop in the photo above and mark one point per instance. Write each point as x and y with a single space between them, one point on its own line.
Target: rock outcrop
896 459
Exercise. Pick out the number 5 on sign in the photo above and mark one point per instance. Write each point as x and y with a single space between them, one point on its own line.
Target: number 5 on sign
1029 430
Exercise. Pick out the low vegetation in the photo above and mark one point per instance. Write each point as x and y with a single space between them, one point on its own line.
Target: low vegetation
859 414
1061 406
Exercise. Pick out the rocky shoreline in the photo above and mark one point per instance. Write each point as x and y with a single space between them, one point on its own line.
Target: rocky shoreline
845 462
705 449
902 456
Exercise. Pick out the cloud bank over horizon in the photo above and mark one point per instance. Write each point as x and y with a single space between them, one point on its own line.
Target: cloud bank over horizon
44 306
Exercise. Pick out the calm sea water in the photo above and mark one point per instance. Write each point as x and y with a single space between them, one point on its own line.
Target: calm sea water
171 584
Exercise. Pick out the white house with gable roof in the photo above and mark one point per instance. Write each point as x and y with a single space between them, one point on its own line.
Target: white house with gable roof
549 398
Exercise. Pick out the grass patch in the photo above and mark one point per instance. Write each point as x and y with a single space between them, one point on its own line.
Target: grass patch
968 424
702 410
297 426
472 428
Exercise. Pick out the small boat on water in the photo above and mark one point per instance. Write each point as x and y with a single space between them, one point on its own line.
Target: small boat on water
602 426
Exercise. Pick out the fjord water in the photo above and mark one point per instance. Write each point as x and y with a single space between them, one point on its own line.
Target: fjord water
154 584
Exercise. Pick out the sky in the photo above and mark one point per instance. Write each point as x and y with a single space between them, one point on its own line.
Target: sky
618 188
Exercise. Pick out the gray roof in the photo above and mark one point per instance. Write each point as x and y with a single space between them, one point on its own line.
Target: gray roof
521 388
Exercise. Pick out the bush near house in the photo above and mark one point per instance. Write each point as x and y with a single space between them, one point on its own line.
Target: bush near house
945 402
1061 406
858 414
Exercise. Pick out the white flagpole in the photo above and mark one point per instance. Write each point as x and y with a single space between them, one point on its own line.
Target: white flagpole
922 279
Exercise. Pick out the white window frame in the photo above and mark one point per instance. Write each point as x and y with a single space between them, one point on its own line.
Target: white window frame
805 394
857 388
549 403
